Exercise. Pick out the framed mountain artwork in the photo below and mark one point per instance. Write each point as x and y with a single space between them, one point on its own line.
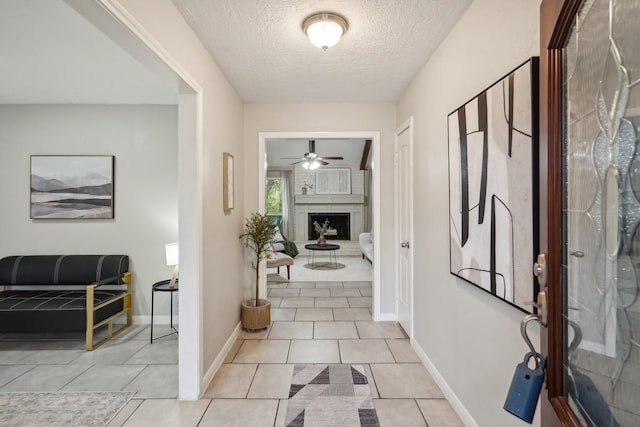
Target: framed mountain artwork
72 187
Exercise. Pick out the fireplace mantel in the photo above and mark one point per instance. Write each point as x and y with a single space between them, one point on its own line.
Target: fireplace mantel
330 199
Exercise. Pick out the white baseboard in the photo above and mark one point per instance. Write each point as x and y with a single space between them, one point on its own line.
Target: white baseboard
210 373
219 360
456 404
157 319
387 317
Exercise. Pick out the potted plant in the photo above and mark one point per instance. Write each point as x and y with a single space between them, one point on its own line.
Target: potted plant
306 187
258 233
321 230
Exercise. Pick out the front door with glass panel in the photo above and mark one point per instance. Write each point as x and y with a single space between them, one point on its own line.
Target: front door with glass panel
601 213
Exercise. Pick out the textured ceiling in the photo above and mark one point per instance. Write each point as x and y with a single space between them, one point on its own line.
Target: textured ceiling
49 53
350 149
260 46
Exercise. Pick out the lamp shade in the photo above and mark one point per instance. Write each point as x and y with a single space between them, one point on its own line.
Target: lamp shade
172 252
324 29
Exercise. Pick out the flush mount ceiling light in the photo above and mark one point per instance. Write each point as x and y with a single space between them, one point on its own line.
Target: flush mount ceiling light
325 29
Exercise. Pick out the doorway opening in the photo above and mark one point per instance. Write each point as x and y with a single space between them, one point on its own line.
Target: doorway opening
333 194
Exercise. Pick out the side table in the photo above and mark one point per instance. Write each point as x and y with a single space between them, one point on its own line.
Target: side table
163 286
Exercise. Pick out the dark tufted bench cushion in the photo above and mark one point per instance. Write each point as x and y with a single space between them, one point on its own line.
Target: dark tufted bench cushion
49 293
51 270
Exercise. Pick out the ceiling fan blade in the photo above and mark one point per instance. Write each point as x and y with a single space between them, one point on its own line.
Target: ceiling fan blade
290 158
299 161
322 162
331 158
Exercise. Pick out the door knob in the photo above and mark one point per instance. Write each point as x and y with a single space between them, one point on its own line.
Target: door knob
540 269
542 306
404 245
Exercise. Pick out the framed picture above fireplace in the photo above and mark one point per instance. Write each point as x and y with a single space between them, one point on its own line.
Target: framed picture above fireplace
333 181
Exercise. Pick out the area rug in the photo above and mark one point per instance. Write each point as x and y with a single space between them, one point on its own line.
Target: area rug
355 270
61 408
330 395
325 266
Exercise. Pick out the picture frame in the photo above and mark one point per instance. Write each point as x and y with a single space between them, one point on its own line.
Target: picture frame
333 181
227 181
72 187
493 187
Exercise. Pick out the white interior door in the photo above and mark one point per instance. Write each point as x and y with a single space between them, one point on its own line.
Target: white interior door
404 226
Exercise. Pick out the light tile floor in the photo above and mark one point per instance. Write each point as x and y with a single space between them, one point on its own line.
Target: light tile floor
313 322
59 362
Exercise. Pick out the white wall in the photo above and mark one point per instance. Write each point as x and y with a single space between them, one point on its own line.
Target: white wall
471 338
331 118
144 141
220 130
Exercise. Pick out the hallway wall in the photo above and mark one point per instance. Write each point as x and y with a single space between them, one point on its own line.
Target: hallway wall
470 338
331 118
220 130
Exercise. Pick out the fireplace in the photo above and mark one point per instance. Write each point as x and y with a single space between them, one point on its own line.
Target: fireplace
339 223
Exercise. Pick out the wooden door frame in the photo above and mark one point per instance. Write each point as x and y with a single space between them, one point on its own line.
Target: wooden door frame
556 21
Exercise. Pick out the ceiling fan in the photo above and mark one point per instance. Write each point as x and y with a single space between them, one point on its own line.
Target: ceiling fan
311 160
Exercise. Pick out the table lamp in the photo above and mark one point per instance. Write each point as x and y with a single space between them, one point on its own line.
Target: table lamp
172 252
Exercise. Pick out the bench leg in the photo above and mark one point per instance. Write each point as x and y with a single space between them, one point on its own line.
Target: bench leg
89 321
90 308
88 343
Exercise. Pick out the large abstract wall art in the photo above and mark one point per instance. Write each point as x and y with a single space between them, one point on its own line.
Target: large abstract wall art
493 187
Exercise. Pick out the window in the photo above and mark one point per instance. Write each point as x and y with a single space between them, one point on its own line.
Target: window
274 200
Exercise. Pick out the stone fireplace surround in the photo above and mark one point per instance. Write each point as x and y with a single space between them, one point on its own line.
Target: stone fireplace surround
353 204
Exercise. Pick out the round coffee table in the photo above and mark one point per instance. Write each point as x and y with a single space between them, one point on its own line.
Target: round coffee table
313 247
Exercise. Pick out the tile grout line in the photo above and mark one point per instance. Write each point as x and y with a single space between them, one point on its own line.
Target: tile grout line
253 377
74 378
386 343
204 412
22 374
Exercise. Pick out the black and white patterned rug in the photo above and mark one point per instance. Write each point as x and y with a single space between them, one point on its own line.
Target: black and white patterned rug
330 395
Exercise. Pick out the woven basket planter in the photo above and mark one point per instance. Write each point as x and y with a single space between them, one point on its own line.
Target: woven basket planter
256 317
